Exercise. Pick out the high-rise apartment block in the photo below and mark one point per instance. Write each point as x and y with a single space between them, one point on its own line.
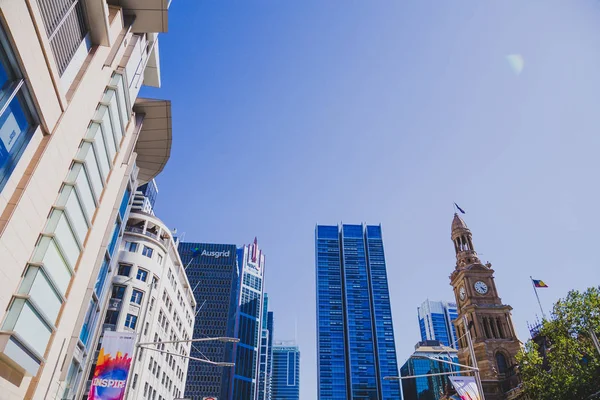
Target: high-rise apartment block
355 334
435 322
75 142
229 294
150 294
285 384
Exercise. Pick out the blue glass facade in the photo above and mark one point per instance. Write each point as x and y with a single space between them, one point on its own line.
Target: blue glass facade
213 272
430 387
266 355
435 322
355 337
286 373
251 265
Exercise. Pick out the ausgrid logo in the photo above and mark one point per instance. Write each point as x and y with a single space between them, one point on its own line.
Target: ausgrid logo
215 254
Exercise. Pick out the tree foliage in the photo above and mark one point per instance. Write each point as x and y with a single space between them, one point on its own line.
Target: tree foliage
562 362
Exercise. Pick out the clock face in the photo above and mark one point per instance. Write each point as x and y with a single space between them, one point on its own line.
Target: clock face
480 287
462 293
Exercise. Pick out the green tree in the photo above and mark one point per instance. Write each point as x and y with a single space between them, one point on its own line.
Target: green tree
567 365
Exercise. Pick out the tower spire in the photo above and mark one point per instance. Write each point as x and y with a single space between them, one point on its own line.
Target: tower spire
463 243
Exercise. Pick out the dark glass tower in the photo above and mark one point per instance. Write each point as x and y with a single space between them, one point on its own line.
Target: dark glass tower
213 273
355 335
286 372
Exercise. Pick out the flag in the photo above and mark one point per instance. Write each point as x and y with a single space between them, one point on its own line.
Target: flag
539 283
459 209
112 368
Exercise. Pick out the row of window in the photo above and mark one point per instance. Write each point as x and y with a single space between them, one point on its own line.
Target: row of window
63 238
90 172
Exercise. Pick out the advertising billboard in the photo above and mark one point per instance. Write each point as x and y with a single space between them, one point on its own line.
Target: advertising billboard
466 387
112 367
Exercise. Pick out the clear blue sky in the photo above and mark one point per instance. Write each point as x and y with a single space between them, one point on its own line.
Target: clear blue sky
291 113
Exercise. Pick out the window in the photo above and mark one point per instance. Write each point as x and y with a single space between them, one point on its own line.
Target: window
118 292
17 122
130 321
147 251
136 296
142 275
502 364
135 378
131 246
124 270
159 258
111 317
66 29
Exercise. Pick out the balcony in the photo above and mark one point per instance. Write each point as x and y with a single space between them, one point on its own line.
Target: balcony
150 15
135 229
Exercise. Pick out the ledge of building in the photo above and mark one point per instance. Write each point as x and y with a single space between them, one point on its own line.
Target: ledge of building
16 361
153 147
150 15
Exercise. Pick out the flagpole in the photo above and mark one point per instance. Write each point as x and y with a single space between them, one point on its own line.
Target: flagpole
538 297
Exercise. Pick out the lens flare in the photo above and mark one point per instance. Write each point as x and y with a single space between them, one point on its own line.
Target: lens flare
516 63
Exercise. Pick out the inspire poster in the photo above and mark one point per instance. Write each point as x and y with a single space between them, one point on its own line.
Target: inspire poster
112 368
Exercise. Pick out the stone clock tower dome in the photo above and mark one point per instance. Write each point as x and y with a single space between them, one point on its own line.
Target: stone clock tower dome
489 320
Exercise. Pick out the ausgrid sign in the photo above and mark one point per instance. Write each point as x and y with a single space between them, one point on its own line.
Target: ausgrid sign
215 254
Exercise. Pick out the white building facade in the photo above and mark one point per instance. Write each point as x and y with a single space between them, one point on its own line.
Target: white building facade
74 144
150 294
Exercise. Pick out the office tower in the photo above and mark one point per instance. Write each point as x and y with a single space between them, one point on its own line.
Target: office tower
251 263
421 363
213 273
435 322
266 353
144 197
481 311
286 372
355 334
75 142
229 294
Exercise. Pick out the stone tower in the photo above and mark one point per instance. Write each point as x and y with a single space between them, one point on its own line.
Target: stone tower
494 339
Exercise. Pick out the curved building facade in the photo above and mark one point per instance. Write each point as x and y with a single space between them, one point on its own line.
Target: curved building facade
150 295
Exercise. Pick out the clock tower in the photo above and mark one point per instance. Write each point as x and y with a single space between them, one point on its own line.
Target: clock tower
489 321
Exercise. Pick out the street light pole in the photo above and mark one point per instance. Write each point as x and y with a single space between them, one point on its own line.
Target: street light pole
146 345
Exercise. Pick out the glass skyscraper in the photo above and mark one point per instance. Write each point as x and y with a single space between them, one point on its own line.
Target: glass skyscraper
213 274
251 265
355 335
422 363
266 354
435 322
286 372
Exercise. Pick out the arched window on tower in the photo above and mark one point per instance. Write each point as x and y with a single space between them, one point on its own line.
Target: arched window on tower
501 363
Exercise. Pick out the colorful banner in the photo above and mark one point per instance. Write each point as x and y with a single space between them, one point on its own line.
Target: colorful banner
112 367
466 387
